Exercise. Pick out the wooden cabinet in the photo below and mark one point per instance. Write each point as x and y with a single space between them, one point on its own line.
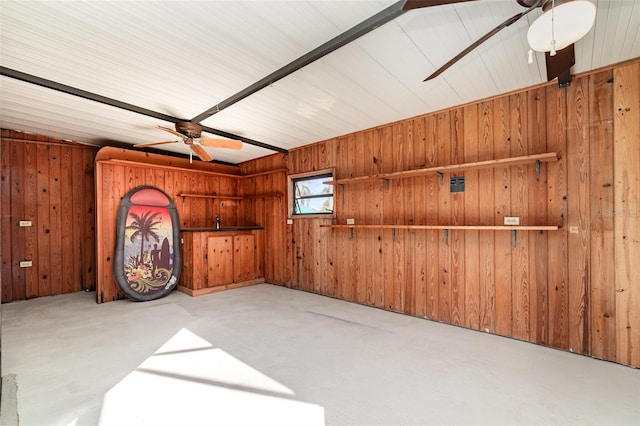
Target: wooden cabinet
219 260
244 257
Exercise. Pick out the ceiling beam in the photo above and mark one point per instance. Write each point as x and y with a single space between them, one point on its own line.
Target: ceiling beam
53 85
364 27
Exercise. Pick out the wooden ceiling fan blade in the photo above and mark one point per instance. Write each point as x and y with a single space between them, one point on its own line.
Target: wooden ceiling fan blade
200 152
142 145
481 40
221 143
166 129
560 65
418 4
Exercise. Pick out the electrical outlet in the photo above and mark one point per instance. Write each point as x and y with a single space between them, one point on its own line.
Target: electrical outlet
351 221
512 220
26 264
25 223
289 221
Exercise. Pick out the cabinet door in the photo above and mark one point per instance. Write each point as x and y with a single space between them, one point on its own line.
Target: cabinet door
219 261
244 259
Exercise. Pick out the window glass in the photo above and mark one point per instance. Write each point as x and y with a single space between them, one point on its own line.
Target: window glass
311 196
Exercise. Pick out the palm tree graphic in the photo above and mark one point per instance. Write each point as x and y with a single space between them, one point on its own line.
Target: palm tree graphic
144 226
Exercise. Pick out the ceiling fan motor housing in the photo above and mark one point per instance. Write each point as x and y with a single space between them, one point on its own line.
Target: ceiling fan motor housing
189 129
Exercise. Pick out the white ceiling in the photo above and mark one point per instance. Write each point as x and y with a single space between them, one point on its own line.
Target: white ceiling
181 58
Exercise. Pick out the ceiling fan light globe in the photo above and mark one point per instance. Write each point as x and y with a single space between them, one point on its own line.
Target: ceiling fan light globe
571 21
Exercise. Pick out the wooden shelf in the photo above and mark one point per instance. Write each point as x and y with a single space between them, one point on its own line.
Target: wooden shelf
453 227
230 197
222 197
276 195
268 172
478 165
446 228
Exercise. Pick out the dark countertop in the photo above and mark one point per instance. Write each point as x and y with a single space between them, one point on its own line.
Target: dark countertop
222 229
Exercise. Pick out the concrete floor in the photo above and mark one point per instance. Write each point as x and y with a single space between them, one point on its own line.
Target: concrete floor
269 355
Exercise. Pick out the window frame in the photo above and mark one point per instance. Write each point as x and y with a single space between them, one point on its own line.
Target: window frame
328 174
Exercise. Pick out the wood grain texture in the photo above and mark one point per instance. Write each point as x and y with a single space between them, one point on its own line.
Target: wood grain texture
627 211
602 274
119 174
578 145
43 182
543 289
573 288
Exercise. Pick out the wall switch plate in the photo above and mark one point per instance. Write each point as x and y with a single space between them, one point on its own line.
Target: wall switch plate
25 223
26 264
289 221
511 220
351 221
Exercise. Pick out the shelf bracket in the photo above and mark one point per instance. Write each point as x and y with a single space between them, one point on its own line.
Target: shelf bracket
387 182
393 233
538 167
351 237
441 178
446 236
514 238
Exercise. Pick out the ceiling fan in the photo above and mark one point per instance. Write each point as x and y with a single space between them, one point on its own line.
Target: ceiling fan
189 133
562 23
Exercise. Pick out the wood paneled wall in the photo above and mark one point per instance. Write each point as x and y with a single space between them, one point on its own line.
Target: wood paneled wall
51 184
572 289
118 171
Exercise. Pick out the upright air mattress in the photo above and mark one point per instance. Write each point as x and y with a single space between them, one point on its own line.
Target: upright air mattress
147 261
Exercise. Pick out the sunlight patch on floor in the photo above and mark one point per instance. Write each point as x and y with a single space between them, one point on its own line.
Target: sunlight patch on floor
188 381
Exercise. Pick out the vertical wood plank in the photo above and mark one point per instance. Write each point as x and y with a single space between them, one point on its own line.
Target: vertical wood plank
578 219
44 221
88 248
601 170
6 249
30 205
388 209
397 187
358 202
408 287
502 203
18 290
627 211
471 256
433 218
487 281
420 217
520 183
556 118
55 220
68 279
537 215
444 217
457 239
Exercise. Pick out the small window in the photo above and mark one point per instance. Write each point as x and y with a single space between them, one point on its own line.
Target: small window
309 195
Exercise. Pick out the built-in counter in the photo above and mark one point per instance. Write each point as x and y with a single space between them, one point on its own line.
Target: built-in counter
220 259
